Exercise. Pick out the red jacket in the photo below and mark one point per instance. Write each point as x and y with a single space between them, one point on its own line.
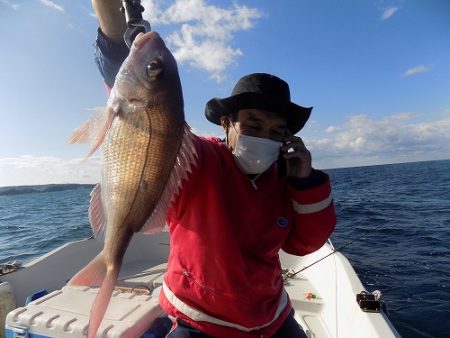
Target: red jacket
224 274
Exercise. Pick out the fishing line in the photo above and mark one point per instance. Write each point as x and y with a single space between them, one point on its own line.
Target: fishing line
337 250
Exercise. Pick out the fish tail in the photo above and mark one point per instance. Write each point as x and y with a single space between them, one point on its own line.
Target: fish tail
101 301
92 274
96 273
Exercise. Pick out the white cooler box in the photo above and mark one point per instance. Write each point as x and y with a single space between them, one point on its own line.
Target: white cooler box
65 313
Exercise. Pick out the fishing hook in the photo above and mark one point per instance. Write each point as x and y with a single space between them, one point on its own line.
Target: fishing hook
135 23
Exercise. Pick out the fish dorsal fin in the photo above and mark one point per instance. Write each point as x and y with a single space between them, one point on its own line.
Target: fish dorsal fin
95 129
186 159
97 214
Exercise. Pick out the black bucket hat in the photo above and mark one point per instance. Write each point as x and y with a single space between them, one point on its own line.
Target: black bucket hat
260 91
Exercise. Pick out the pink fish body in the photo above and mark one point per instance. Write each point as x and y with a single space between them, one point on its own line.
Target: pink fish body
147 151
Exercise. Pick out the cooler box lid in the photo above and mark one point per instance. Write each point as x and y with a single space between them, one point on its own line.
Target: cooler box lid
65 313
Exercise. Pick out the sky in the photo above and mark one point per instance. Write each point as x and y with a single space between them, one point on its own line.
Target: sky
376 72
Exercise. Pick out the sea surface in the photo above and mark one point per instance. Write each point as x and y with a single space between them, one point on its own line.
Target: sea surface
397 218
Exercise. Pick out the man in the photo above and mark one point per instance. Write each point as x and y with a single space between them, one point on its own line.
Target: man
247 197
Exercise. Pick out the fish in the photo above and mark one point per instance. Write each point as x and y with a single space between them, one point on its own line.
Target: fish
147 151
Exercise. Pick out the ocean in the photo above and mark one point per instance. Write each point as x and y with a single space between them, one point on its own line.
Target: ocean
396 216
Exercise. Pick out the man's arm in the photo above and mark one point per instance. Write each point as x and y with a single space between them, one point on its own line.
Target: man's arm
111 49
111 19
314 216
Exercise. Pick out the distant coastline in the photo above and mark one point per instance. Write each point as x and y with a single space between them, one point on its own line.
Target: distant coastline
33 189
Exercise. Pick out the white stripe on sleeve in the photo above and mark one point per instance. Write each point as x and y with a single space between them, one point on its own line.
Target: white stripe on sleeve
312 208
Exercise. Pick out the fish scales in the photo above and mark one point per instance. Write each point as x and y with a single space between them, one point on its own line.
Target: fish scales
138 197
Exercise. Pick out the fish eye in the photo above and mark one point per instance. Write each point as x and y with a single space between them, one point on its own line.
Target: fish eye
155 68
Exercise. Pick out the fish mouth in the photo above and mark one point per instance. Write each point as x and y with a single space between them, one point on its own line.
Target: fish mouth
141 39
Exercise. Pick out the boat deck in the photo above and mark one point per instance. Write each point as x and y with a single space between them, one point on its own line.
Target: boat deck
139 275
308 306
323 295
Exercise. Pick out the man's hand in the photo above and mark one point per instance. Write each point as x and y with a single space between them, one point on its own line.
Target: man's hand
111 19
298 157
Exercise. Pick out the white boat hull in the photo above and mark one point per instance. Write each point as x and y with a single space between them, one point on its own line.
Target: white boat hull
323 296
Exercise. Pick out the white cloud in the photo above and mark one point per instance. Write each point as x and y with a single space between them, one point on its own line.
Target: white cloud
389 12
417 70
31 170
362 140
204 32
88 11
210 133
52 5
10 4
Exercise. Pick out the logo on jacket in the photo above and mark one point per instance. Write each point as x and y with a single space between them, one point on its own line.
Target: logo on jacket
282 222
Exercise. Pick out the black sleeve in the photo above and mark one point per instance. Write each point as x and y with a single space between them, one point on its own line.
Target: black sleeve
316 178
109 56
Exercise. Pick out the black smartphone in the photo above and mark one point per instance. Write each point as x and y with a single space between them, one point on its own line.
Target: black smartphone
281 162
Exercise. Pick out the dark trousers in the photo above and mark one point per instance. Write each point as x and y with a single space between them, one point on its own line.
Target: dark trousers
289 329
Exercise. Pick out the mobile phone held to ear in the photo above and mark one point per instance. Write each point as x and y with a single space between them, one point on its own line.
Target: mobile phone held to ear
281 162
282 166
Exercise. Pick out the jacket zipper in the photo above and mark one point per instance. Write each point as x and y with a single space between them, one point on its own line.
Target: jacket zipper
203 286
253 181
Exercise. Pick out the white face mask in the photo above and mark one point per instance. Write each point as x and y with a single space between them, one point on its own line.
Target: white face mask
254 154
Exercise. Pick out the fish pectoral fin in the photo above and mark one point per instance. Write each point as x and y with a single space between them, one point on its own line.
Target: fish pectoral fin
92 274
96 214
101 128
94 131
81 134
